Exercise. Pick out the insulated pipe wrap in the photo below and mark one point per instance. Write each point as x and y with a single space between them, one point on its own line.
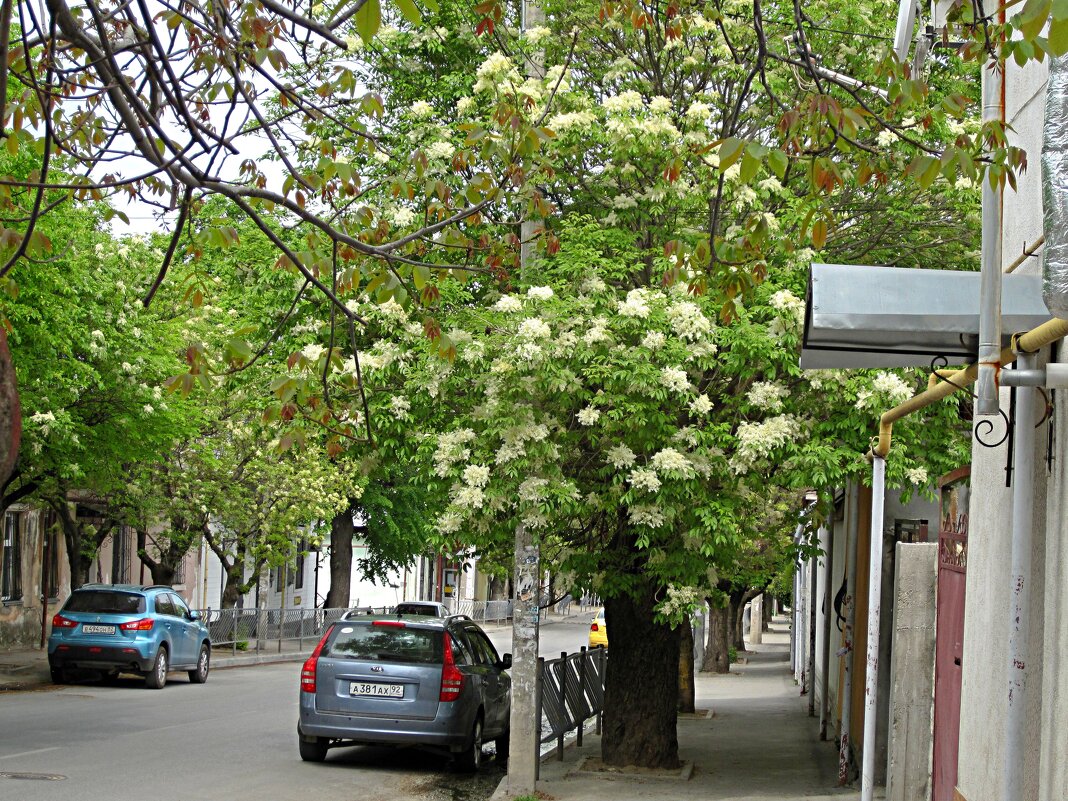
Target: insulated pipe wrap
1055 190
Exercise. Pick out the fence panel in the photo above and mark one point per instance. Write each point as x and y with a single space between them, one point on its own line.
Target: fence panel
570 691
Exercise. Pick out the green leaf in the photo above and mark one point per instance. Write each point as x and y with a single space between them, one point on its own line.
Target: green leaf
420 275
1032 19
1058 37
778 162
369 20
730 151
410 11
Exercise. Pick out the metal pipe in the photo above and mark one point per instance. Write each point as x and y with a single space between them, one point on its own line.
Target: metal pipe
802 646
875 580
1016 723
849 611
828 577
812 603
793 627
986 401
1034 340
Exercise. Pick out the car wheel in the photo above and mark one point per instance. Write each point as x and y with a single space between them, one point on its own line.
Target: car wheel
200 675
501 746
311 749
470 760
157 677
59 675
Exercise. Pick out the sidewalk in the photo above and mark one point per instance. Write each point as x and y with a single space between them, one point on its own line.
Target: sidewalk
759 743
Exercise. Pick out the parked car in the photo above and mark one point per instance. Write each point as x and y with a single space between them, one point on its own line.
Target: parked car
396 680
126 628
430 608
598 630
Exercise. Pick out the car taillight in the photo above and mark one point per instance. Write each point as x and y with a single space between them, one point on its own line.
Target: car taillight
144 624
593 627
60 622
307 673
452 680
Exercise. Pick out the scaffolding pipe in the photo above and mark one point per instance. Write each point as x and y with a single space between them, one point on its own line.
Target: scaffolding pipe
849 611
986 401
1016 723
828 577
871 675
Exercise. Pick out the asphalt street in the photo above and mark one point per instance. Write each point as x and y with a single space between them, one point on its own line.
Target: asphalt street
233 738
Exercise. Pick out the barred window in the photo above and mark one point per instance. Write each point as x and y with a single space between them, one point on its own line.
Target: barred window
50 529
179 571
11 569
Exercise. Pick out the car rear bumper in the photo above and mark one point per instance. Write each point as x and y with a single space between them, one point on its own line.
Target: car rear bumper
100 657
444 731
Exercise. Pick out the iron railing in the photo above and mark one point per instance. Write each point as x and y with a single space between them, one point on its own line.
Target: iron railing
281 629
483 611
570 690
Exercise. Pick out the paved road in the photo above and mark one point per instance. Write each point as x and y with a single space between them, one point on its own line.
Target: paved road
232 738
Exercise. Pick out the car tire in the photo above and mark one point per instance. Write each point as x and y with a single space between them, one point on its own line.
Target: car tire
312 749
156 678
199 675
59 675
501 746
470 760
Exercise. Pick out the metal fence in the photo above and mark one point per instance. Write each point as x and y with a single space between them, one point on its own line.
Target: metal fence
485 611
281 629
570 690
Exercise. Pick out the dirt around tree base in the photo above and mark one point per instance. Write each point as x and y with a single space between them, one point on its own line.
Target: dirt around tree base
593 766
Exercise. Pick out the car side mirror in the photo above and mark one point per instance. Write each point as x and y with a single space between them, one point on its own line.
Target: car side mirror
506 662
194 616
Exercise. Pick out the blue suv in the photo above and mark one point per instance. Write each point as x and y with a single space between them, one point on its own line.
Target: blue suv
126 628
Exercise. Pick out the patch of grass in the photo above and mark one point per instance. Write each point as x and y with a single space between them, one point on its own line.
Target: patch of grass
732 655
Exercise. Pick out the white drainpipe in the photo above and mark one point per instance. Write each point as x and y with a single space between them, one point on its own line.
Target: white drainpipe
875 579
986 402
849 609
1016 723
813 600
828 612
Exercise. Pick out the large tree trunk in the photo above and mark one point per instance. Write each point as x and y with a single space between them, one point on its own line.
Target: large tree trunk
10 413
687 690
769 603
717 652
341 533
641 685
82 546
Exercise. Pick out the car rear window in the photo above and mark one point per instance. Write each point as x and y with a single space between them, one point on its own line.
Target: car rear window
105 601
385 644
417 609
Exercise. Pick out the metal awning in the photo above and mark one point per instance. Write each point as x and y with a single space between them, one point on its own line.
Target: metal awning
865 316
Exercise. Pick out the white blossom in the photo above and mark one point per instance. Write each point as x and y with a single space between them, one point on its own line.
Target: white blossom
476 475
440 150
465 105
654 340
421 109
573 119
675 379
758 440
589 416
636 304
623 102
468 497
534 328
312 352
508 303
646 515
660 104
917 476
532 490
767 395
451 449
644 479
620 457
670 460
701 405
540 293
688 322
400 406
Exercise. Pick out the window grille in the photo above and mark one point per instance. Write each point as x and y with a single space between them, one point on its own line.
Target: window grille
11 571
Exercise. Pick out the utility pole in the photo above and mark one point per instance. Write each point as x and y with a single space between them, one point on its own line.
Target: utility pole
525 748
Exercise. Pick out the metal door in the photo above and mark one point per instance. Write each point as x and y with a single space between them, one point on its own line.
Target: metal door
949 638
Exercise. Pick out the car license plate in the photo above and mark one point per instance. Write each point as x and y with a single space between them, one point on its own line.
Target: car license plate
89 628
377 690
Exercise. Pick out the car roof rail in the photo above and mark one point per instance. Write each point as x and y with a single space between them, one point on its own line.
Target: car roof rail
157 587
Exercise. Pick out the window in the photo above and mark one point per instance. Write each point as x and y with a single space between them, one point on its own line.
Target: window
11 571
179 571
120 556
180 607
486 654
298 574
105 601
164 605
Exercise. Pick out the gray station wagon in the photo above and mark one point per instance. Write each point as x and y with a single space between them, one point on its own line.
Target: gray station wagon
399 680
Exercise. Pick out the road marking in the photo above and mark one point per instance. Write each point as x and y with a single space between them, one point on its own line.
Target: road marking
27 753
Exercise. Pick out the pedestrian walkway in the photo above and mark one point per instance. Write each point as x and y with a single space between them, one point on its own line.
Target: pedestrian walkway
759 743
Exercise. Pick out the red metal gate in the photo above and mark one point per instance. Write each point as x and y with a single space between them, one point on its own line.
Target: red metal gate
949 638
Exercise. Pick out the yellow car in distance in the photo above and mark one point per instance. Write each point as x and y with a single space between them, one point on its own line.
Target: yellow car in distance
598 630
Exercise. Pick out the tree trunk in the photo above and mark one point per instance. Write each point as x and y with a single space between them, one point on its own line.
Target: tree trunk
717 656
341 533
10 413
735 610
769 602
687 690
641 685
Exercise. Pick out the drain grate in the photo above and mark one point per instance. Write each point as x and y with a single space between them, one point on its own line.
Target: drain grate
40 777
